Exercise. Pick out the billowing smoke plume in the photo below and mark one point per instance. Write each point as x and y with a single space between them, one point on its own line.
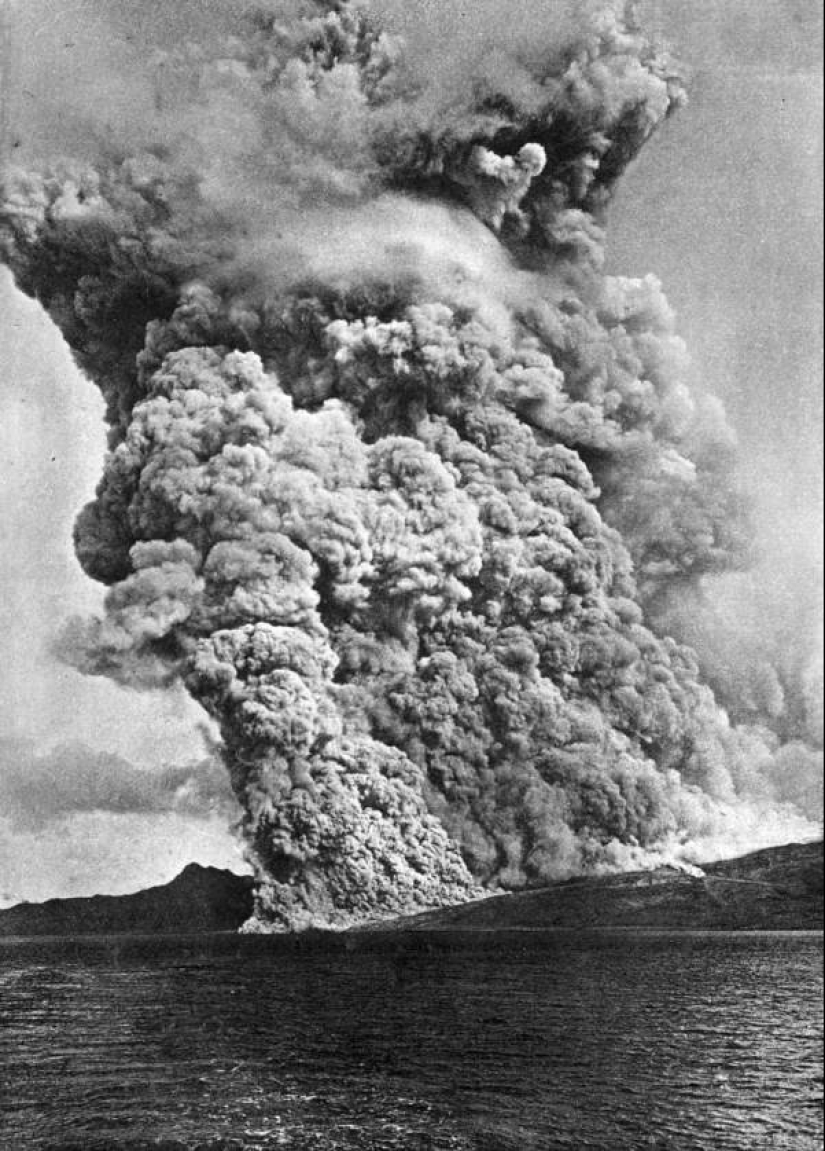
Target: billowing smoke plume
397 474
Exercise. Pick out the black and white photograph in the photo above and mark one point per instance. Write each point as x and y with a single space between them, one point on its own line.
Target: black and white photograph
411 575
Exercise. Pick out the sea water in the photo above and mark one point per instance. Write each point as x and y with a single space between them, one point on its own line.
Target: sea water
471 1041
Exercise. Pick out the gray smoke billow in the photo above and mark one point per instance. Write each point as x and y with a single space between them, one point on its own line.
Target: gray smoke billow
401 485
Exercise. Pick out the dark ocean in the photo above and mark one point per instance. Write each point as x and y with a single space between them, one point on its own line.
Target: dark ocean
486 1042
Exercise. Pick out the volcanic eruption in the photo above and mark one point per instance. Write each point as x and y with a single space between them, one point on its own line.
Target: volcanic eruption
399 479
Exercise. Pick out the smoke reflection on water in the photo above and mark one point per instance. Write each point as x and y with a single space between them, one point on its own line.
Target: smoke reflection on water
489 1043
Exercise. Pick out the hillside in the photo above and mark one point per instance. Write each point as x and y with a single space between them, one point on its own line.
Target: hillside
774 889
778 888
200 899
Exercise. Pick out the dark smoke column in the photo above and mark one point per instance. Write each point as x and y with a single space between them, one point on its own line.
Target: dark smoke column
389 454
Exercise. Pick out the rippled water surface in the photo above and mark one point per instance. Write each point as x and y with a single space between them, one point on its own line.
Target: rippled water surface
488 1043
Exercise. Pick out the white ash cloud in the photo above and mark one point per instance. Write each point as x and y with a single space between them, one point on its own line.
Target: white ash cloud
396 471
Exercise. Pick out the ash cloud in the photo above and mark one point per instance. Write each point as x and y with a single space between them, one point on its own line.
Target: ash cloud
399 480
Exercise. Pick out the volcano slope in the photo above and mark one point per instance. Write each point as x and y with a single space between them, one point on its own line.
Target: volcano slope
779 888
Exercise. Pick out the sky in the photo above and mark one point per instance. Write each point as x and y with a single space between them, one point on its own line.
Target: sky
724 206
105 789
55 723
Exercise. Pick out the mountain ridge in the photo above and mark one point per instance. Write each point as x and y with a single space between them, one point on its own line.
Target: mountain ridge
199 899
776 888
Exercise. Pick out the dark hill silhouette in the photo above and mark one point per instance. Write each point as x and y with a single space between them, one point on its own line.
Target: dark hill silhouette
778 888
200 899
